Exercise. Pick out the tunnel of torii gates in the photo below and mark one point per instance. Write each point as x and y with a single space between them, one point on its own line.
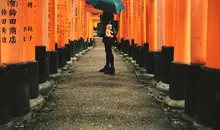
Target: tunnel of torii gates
176 41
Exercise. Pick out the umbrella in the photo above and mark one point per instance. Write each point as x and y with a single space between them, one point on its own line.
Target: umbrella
114 6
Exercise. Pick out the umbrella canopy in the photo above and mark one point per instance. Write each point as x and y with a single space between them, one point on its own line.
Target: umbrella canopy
114 6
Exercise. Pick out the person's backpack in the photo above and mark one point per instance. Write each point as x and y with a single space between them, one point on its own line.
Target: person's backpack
101 30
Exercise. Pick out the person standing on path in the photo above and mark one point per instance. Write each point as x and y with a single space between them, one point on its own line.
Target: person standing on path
110 35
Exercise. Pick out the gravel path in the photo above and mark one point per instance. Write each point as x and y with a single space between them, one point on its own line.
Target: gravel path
89 100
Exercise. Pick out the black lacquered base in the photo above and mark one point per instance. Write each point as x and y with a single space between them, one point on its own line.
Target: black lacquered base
146 50
47 65
71 48
41 58
53 62
33 79
61 57
179 80
157 66
68 51
208 96
134 51
150 62
19 89
4 92
191 90
167 58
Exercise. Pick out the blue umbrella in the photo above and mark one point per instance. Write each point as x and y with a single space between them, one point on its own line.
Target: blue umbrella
114 6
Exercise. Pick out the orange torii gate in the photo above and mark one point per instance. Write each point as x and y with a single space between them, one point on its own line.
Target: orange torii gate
12 35
51 35
168 48
179 68
209 82
198 42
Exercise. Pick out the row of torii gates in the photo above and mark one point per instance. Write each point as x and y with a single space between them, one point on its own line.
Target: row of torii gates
184 33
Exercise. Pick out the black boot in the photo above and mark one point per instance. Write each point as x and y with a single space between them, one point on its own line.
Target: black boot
111 70
104 69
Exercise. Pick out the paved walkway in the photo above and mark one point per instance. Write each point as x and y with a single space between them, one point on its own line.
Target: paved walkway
89 100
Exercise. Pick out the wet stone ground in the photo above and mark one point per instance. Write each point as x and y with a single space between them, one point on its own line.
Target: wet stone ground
85 99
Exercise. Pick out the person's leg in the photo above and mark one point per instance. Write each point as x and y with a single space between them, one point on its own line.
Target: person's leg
107 61
110 56
106 55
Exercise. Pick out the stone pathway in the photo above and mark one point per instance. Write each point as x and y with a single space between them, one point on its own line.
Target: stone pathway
90 100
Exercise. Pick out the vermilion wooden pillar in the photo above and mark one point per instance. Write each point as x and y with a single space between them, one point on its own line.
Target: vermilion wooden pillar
169 22
29 40
90 26
138 21
76 18
135 22
50 26
180 66
62 23
50 35
125 19
143 21
120 32
168 48
152 6
29 37
40 50
208 113
197 54
160 24
130 20
56 22
66 21
59 33
39 29
80 20
153 25
12 55
147 2
67 29
12 42
71 14
160 4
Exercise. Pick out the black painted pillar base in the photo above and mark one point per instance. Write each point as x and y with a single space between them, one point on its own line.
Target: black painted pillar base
4 92
61 57
179 80
137 54
209 87
157 66
142 58
167 58
122 45
41 58
130 48
76 47
71 48
216 122
134 51
191 90
150 62
127 46
33 69
68 51
47 65
19 89
56 46
53 62
146 50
